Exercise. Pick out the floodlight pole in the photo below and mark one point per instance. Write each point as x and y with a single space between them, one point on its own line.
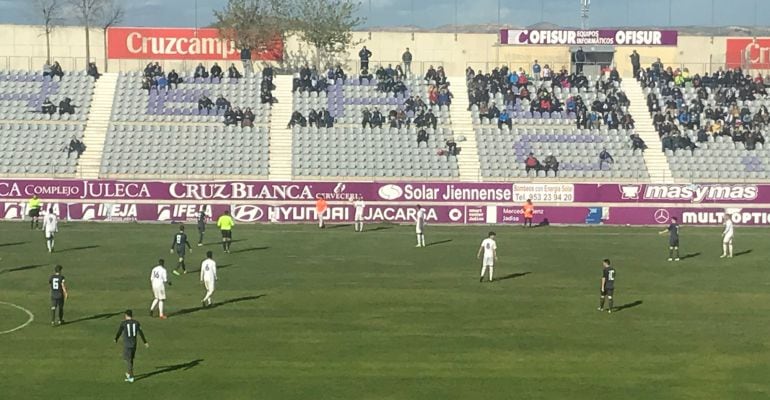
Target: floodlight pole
584 13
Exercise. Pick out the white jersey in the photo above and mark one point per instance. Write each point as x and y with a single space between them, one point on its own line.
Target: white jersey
359 205
158 276
728 232
419 220
490 246
50 223
208 270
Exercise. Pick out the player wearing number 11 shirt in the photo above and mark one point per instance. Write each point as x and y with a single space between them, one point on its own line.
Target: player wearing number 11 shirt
608 285
130 329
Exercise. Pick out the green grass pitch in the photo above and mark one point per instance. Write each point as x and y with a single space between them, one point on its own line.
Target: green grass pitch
311 314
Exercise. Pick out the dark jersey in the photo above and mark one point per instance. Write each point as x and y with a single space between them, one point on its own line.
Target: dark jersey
201 221
180 240
673 231
609 278
56 283
129 329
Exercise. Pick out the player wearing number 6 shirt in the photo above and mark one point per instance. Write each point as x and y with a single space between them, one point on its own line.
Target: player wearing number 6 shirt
608 285
727 237
208 277
58 295
129 329
489 246
158 279
419 226
50 227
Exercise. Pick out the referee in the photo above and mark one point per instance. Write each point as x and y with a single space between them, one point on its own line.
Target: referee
33 206
225 224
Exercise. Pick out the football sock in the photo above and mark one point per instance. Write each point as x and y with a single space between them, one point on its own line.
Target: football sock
611 301
724 249
677 252
491 273
730 248
160 307
483 271
53 243
224 245
61 313
601 302
670 252
154 303
48 244
200 240
418 239
53 314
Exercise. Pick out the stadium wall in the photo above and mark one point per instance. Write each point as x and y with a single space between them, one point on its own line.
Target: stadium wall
23 47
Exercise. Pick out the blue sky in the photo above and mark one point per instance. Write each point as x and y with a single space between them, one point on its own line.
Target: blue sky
431 13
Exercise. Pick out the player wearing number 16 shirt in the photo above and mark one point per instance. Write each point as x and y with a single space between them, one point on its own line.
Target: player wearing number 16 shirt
158 279
130 329
608 285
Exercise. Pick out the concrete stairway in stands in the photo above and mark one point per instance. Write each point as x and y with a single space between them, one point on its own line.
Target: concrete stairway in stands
462 125
98 122
654 158
280 136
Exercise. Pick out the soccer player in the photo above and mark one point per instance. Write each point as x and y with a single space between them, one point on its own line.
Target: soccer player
320 209
34 212
359 220
158 279
201 227
419 220
489 246
180 244
225 224
50 226
208 277
58 295
529 212
727 237
608 285
673 239
129 329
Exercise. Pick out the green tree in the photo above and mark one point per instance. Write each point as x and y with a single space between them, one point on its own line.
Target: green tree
51 13
326 25
253 24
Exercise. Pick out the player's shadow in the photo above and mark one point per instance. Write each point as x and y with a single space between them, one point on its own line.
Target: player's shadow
250 249
338 226
93 317
223 266
379 228
628 305
12 244
513 276
743 253
93 246
439 243
169 368
691 255
215 305
22 268
220 242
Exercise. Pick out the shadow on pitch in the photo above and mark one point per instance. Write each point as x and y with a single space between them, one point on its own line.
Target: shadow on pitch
743 253
691 255
338 226
629 305
513 276
12 244
169 368
93 246
215 305
93 317
250 249
223 266
22 268
379 228
438 243
220 242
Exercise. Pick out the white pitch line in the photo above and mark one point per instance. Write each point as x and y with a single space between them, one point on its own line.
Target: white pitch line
22 326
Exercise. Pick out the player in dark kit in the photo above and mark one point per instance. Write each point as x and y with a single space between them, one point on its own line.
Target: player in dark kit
201 227
180 244
608 285
673 239
129 329
58 295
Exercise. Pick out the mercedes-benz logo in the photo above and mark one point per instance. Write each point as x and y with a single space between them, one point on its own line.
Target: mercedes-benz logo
661 216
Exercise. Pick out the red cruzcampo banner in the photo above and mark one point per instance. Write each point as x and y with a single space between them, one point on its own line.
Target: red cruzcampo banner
179 44
748 53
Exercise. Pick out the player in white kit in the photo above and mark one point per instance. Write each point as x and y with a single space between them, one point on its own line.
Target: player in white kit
159 278
359 219
50 227
419 220
489 246
727 237
208 277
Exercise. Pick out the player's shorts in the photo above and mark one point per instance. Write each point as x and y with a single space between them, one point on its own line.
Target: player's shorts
57 302
129 353
727 239
359 217
201 228
227 234
673 242
34 212
180 251
608 291
159 291
209 284
50 234
488 262
418 229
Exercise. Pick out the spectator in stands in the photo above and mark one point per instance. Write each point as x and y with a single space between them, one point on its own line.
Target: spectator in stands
47 70
580 59
230 117
339 74
429 119
406 58
233 73
325 118
364 55
635 63
685 142
162 83
422 136
532 163
76 146
222 103
366 118
205 103
200 72
268 72
93 71
536 70
216 71
445 97
66 106
615 75
173 79
48 107
266 96
451 146
364 76
605 158
296 119
403 119
637 143
552 164
657 69
431 74
627 122
246 60
53 70
248 118
504 119
376 119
